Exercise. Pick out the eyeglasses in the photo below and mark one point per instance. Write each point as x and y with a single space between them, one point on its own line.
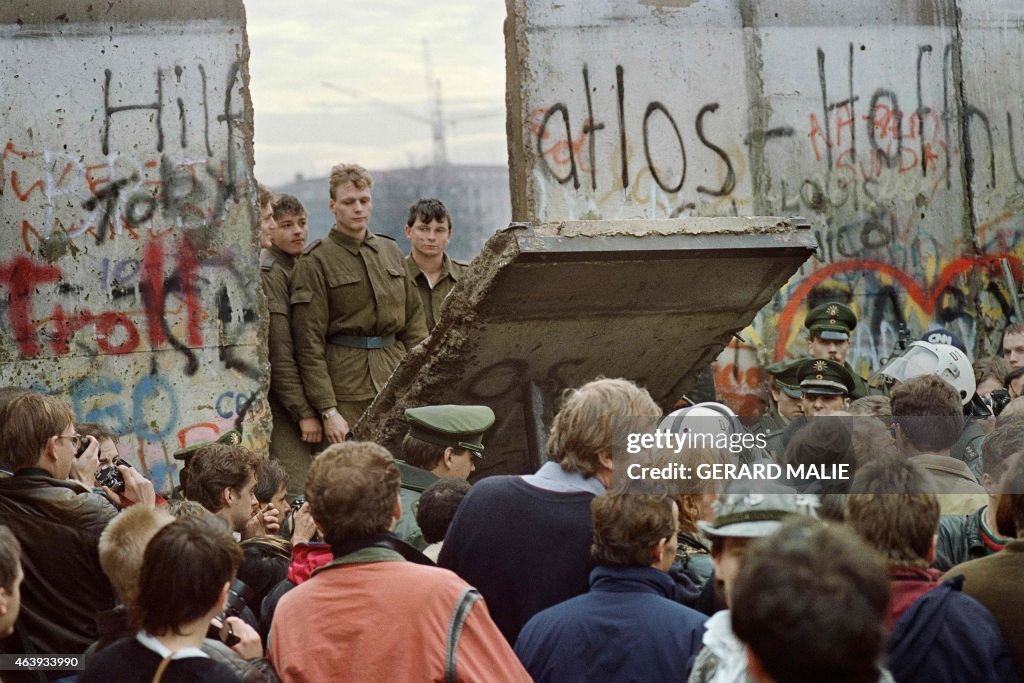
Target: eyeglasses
76 439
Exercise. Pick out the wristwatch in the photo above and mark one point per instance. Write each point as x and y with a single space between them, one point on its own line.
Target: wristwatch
329 413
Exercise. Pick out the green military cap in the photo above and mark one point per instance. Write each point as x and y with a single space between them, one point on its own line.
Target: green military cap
785 374
823 376
831 321
232 437
450 425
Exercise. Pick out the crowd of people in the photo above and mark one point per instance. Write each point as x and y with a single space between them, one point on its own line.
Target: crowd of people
335 559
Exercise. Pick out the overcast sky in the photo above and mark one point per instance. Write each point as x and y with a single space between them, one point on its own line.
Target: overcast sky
373 49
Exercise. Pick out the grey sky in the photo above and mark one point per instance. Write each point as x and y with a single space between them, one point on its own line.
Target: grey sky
374 47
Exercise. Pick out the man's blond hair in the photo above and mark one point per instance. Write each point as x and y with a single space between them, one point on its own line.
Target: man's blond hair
585 425
123 544
349 173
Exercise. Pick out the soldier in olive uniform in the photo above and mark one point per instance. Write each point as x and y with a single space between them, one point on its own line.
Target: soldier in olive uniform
296 424
355 311
825 387
784 389
443 441
829 326
428 229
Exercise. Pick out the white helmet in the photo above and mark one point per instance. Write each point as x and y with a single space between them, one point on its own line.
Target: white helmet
943 360
708 417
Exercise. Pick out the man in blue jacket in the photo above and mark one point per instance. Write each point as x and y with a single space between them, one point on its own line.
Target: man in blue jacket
627 627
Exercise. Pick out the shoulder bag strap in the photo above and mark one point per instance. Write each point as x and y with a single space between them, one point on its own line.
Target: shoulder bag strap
164 663
459 616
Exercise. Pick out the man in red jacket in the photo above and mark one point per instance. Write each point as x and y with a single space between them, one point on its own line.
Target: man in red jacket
370 615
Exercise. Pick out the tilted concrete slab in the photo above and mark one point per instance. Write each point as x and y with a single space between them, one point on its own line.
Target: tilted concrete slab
551 306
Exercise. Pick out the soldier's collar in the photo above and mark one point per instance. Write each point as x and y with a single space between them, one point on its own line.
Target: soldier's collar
446 268
286 260
353 244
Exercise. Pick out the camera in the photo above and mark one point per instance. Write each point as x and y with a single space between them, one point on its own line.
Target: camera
83 446
239 596
298 503
111 477
997 400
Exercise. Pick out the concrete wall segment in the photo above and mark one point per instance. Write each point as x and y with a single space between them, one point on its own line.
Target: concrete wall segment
128 251
893 128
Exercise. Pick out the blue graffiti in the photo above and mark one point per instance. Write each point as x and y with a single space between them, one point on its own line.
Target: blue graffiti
241 400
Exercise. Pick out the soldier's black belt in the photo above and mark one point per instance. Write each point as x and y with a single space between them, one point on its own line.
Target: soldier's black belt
356 342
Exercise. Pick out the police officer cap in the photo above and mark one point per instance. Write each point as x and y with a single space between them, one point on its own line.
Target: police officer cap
823 376
451 425
232 437
832 321
785 374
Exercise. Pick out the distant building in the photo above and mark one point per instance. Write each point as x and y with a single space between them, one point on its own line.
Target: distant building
477 196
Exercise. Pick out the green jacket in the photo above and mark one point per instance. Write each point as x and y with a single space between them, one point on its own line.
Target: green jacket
433 297
344 286
414 482
285 384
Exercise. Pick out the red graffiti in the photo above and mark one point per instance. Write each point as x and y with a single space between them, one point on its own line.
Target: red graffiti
22 277
116 332
153 280
926 297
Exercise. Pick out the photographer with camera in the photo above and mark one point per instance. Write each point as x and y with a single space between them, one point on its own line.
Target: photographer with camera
58 523
222 478
122 548
187 572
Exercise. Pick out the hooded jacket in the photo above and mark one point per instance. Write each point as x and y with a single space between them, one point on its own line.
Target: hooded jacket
947 635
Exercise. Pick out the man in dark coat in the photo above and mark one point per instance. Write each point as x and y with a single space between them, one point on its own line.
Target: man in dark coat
627 628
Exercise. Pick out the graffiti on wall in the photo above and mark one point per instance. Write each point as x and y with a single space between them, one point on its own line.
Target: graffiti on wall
913 190
128 268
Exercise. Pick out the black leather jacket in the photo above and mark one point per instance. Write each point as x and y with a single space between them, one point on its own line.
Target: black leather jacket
58 524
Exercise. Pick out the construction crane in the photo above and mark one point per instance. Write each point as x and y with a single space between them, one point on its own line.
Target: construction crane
436 120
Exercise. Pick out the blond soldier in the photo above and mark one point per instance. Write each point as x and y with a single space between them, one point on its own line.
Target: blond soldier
355 311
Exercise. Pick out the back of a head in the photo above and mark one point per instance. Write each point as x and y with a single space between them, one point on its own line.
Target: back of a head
810 602
437 507
873 406
27 421
184 570
215 467
823 440
928 412
585 425
123 544
352 489
1004 442
1010 504
990 368
628 525
891 506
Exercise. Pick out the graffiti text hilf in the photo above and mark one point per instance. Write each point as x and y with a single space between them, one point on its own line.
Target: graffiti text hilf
172 178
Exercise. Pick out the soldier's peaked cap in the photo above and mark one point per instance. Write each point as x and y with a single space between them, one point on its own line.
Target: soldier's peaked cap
831 320
823 376
451 425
